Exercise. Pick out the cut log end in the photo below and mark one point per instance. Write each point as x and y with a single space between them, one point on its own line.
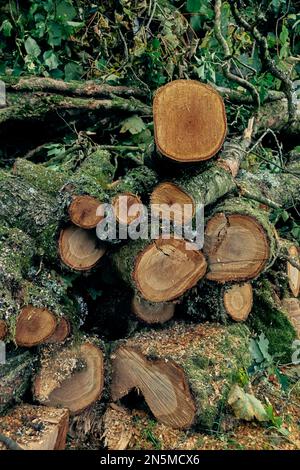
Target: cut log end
162 383
170 202
189 121
236 247
292 272
80 249
238 301
29 427
292 307
61 332
152 312
168 268
81 388
127 208
3 329
83 211
34 325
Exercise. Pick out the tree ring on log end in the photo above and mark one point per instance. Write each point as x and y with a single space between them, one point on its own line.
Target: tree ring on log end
189 121
124 208
80 249
292 272
238 301
174 203
167 268
3 329
34 325
152 312
83 211
78 391
236 247
61 332
162 383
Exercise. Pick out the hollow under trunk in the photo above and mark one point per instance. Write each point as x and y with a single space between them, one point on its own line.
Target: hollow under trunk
184 373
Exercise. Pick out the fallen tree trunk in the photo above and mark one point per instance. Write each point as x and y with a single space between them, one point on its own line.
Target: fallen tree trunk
160 270
184 373
71 376
15 377
240 242
29 427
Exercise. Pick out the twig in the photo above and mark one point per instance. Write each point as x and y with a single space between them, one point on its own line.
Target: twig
267 60
226 66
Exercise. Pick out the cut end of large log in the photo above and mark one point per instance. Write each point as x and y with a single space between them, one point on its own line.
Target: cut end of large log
34 325
80 249
61 332
83 211
238 301
236 247
127 208
3 329
30 427
170 202
168 268
292 272
189 121
162 383
150 312
73 379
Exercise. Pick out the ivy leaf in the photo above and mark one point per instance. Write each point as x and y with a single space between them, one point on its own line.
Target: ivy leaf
73 71
134 125
50 60
259 349
65 11
6 28
32 48
246 406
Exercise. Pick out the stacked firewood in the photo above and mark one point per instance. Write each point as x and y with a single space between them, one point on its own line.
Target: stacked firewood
50 217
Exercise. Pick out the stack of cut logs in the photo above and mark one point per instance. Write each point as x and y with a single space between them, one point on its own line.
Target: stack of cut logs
49 218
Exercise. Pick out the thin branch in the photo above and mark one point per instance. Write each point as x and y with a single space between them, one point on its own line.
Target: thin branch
267 60
226 66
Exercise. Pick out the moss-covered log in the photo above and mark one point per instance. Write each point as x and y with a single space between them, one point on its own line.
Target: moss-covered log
160 270
86 89
276 190
15 377
34 212
240 242
269 316
39 106
204 187
184 373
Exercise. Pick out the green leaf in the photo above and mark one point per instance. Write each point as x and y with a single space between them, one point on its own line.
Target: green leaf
73 71
263 344
193 6
65 11
55 33
50 60
6 28
134 125
255 351
32 48
246 406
